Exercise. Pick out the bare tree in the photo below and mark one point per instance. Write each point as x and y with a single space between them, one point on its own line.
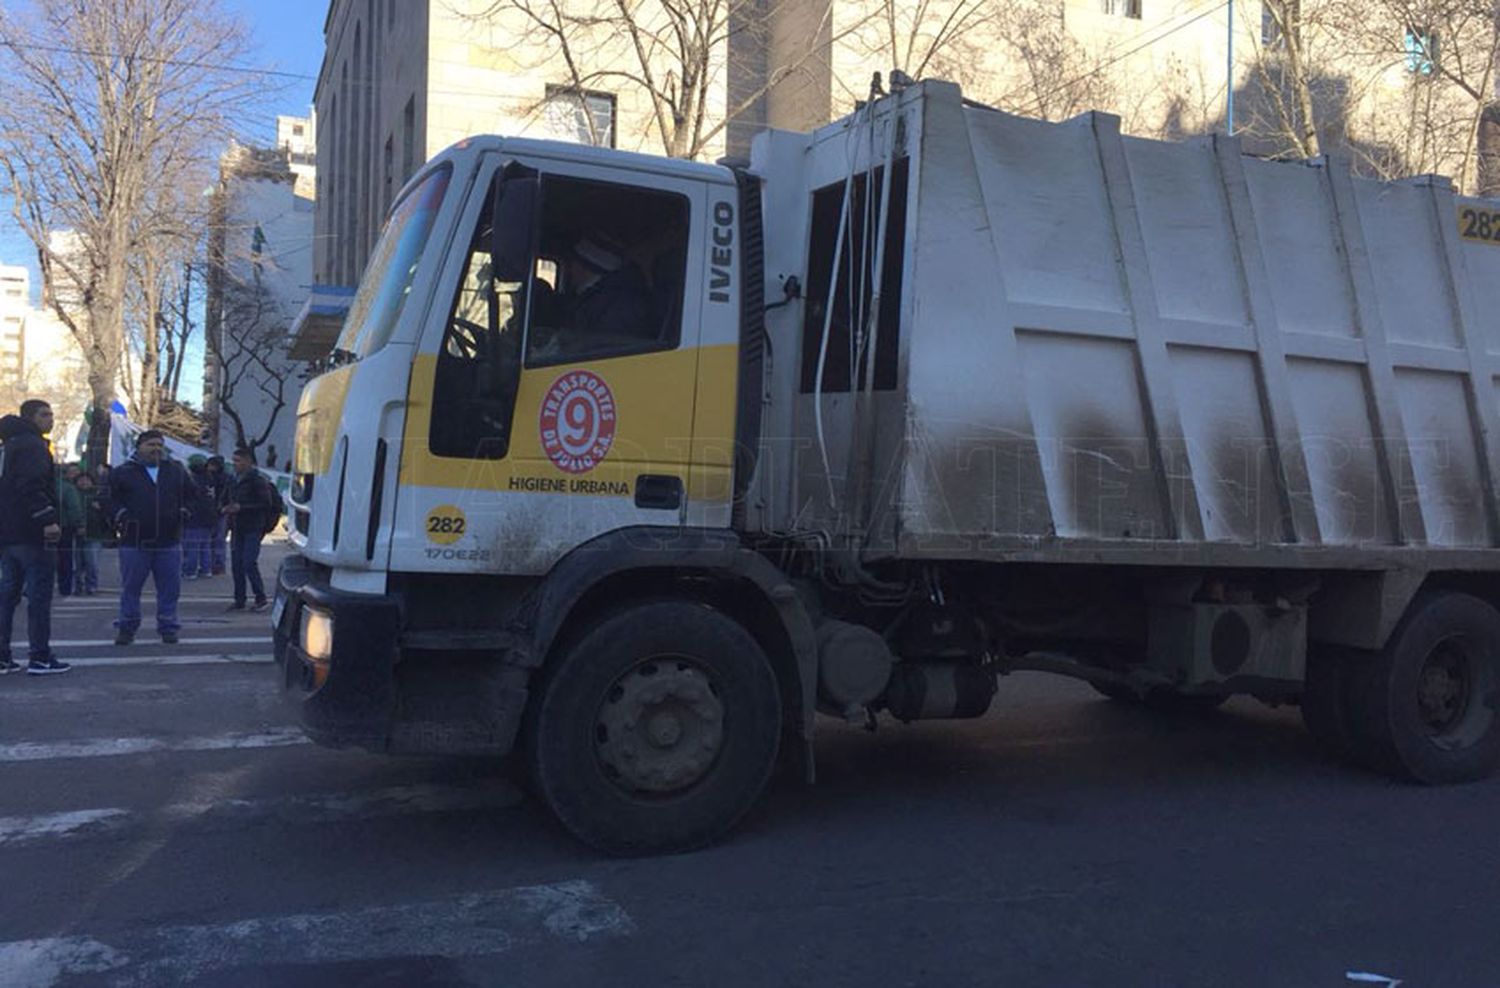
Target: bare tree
669 56
1444 116
1284 111
249 358
106 100
1054 76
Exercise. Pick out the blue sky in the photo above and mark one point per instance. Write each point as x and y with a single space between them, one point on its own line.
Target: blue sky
287 37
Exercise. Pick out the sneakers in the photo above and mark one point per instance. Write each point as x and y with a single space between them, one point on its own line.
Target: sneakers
169 638
9 665
261 605
238 605
49 666
123 637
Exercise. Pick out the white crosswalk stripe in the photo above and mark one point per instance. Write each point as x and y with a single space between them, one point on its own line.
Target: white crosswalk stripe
465 926
34 751
210 658
300 810
186 640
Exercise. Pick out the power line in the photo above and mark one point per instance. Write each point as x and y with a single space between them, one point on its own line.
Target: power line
196 63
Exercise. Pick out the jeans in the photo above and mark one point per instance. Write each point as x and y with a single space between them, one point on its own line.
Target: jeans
28 568
66 545
216 544
164 566
87 565
197 555
244 560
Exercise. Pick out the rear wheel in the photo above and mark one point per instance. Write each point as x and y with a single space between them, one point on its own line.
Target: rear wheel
1425 707
656 730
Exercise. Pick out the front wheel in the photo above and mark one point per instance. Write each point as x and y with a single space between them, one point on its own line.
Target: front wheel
656 730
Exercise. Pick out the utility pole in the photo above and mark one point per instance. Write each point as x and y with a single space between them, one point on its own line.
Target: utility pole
1229 72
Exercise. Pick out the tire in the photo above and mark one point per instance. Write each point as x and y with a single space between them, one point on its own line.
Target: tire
1325 708
655 730
1426 708
1162 700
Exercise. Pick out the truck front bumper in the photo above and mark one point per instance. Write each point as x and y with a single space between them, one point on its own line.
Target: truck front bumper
353 683
346 696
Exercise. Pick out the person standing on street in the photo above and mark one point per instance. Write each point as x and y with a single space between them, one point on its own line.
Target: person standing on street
28 522
91 540
149 496
251 514
203 515
70 518
219 485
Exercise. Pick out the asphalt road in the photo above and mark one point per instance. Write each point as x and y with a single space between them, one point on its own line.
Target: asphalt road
163 824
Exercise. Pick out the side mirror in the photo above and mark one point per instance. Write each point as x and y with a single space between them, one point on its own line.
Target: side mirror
513 223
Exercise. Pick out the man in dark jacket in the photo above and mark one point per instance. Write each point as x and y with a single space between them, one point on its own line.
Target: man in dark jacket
149 496
249 509
70 517
28 522
203 515
218 486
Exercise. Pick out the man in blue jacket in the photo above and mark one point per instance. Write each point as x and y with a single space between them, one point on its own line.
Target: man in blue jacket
149 496
28 522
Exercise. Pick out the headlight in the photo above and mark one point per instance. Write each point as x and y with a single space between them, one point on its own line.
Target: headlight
317 634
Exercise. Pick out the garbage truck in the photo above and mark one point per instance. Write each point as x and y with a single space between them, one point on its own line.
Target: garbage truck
634 467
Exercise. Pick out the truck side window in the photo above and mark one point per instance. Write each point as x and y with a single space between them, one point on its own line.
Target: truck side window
472 402
844 367
617 257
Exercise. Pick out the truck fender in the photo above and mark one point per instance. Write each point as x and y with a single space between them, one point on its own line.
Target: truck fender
713 552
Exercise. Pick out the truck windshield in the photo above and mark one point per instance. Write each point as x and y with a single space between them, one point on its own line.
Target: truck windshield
388 276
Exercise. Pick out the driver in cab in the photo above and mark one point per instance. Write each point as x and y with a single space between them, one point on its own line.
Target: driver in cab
605 301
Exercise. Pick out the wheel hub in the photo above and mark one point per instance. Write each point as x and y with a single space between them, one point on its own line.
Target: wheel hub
1443 689
660 727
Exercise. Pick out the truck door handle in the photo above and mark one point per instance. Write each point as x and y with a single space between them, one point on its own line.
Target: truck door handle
658 491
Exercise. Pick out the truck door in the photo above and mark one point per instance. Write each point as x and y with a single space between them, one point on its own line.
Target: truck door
553 400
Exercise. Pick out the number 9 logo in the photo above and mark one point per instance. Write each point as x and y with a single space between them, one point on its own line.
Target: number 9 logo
577 421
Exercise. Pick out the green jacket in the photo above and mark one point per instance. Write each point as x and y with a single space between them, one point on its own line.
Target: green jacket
70 508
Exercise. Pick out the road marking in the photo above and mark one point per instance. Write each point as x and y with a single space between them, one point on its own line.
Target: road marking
465 926
31 829
304 810
214 658
110 642
253 687
39 751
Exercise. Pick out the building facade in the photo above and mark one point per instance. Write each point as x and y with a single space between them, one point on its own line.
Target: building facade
15 306
259 276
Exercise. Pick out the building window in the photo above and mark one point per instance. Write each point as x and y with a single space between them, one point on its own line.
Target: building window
581 115
1275 17
388 172
1123 8
297 130
408 139
1422 51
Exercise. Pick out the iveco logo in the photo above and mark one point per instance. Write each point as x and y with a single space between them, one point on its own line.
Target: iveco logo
721 257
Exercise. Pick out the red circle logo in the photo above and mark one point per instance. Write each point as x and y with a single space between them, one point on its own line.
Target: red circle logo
577 422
